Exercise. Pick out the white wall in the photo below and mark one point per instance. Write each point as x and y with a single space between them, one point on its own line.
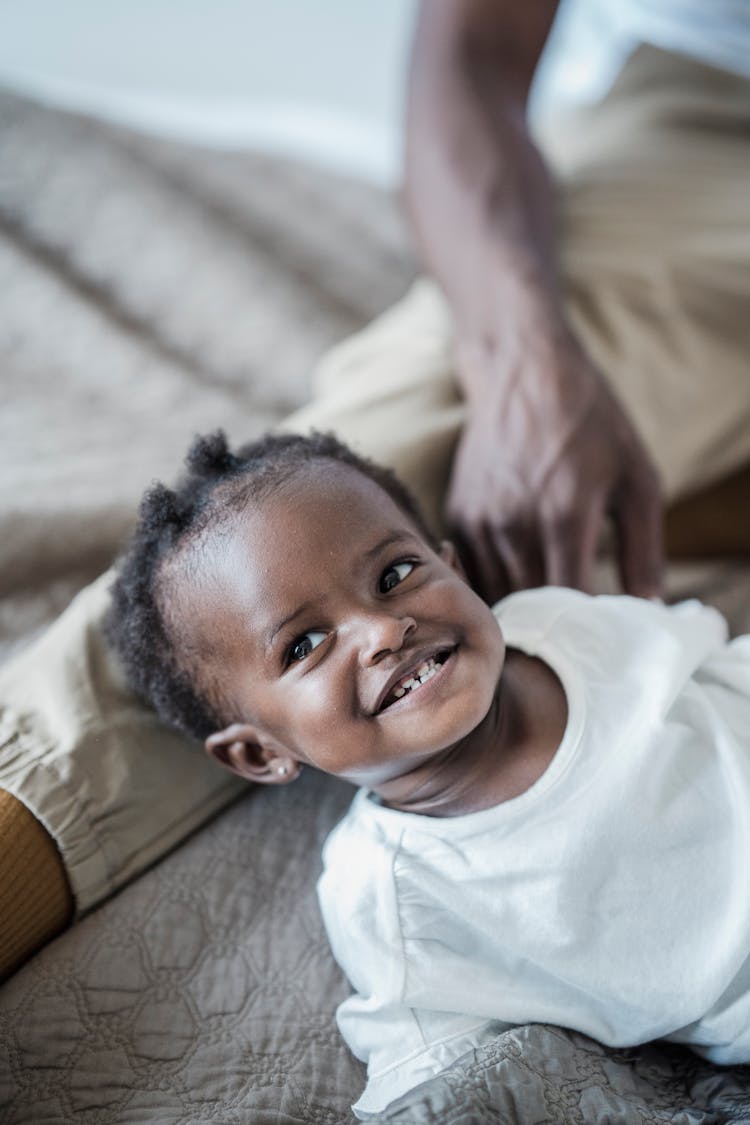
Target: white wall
319 79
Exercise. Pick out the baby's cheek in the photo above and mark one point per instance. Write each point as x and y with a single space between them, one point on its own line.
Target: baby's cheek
464 606
320 717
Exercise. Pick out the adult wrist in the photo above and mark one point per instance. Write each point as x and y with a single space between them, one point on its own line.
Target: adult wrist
515 340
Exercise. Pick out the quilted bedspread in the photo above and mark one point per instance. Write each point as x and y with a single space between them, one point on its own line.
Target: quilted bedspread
150 290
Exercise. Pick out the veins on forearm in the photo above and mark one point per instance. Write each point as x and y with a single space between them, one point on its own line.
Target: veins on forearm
478 192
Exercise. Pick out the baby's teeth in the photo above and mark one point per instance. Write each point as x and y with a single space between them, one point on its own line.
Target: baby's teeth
426 670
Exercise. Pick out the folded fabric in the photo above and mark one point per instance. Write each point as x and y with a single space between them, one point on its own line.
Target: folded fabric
112 785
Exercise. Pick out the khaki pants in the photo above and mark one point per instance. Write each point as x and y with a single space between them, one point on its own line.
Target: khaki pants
654 192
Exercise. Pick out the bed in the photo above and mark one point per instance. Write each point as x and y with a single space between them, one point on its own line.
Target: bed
151 290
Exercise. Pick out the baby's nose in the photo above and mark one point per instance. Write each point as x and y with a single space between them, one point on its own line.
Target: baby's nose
384 633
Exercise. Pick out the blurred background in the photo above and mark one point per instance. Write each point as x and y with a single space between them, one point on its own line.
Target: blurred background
317 80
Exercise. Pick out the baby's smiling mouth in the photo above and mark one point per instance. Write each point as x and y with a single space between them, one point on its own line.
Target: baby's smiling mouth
412 680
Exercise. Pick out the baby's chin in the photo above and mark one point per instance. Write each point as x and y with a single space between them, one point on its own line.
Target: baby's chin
474 706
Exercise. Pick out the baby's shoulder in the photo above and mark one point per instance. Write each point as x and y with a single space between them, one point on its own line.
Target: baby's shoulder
527 617
361 846
533 614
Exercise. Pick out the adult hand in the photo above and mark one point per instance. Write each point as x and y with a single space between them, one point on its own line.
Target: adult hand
546 457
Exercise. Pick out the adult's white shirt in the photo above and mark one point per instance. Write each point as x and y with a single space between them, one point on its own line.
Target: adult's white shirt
592 40
612 897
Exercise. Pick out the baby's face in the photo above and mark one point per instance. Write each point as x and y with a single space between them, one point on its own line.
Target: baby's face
339 634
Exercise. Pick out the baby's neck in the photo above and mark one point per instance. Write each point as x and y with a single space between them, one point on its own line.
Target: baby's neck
502 758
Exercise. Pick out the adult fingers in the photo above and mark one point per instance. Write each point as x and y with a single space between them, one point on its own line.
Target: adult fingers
485 571
520 549
570 546
638 518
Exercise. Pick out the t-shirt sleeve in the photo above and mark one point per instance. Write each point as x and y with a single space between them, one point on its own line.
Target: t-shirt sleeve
401 1045
357 901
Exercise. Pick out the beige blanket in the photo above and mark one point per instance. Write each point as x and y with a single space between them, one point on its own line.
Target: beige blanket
149 292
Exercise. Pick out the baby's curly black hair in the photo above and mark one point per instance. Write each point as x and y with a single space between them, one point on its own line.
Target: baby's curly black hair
142 624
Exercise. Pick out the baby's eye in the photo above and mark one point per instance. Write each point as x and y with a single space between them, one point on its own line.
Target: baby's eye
395 574
303 645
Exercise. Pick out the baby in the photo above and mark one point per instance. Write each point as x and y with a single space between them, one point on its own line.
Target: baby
553 821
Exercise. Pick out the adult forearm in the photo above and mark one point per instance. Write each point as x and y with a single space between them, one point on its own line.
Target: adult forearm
546 456
478 193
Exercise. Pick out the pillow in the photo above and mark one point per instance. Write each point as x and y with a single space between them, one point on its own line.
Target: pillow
113 787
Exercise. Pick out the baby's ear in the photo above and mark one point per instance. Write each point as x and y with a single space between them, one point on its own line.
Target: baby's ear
242 749
449 555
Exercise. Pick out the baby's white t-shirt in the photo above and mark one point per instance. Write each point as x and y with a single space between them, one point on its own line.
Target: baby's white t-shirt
613 896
